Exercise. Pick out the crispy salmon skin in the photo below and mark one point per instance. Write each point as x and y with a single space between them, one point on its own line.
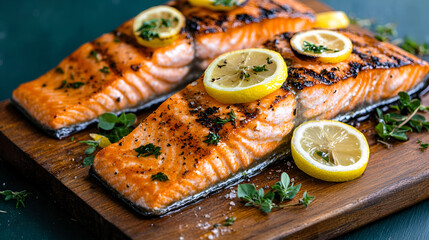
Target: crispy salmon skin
115 74
191 166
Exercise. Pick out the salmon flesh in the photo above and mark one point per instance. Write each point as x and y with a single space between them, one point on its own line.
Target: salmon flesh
191 167
114 73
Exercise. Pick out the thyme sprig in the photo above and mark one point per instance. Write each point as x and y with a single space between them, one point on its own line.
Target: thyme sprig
18 196
310 47
395 125
283 190
147 150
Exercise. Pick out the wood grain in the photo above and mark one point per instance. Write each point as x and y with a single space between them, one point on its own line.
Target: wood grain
395 178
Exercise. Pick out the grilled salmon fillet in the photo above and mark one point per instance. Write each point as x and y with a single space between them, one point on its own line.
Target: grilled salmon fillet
374 72
217 32
114 73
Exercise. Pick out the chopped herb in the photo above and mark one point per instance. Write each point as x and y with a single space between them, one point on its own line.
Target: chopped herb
18 196
88 161
94 55
212 138
63 84
72 139
244 76
269 61
232 118
147 150
259 68
362 22
423 146
115 128
160 177
229 221
310 47
148 29
226 3
75 85
323 155
221 66
395 125
264 201
105 70
413 47
59 70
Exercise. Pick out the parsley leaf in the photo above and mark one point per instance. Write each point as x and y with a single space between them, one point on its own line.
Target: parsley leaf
323 155
283 189
63 84
115 128
306 199
18 196
94 54
212 138
423 146
229 221
88 161
160 177
259 68
147 150
105 70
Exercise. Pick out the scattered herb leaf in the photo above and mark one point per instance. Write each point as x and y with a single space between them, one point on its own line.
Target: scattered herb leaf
283 189
212 138
94 54
257 69
229 221
385 32
323 155
63 84
105 70
269 61
88 161
232 118
306 199
413 47
160 177
115 128
423 146
18 196
147 150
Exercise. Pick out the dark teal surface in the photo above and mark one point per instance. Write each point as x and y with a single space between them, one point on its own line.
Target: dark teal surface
36 35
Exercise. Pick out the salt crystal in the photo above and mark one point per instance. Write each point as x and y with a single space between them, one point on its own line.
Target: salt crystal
232 203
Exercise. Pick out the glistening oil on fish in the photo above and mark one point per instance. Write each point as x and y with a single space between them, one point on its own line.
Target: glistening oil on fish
193 167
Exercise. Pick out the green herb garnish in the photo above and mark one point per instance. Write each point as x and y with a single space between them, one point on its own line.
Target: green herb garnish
75 85
147 150
59 70
229 221
104 70
264 201
284 189
18 196
160 177
94 54
92 146
269 61
310 47
148 29
63 84
323 155
232 118
244 75
115 128
423 146
385 32
226 3
88 161
362 22
257 69
212 138
413 47
394 125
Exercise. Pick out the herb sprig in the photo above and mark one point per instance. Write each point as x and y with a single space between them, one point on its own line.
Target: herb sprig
212 138
232 118
310 47
395 125
160 177
149 29
147 150
257 69
422 146
226 3
18 196
73 85
283 190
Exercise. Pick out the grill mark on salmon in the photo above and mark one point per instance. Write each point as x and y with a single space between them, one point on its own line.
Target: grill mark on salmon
179 126
139 75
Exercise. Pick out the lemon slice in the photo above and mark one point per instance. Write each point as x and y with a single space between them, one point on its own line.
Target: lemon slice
217 5
245 75
330 150
325 45
104 142
158 26
333 19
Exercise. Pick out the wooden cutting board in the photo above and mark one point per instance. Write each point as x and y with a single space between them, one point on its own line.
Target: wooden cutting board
395 179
